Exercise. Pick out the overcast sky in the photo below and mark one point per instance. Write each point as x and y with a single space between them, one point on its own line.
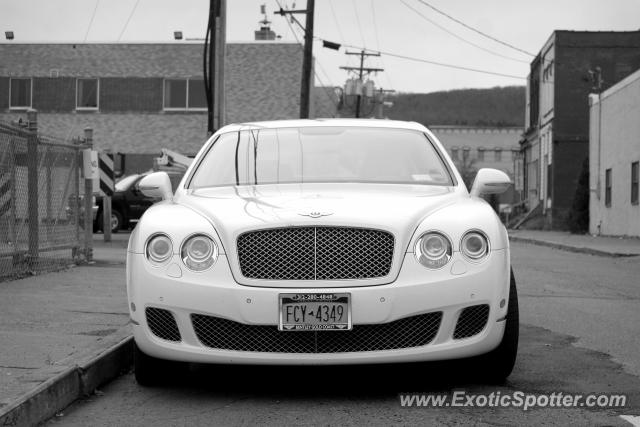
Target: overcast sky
385 25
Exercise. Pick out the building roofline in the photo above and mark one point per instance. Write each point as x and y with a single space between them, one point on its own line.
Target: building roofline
596 31
631 78
167 43
551 39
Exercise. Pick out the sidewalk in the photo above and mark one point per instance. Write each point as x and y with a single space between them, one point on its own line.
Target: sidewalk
595 245
53 323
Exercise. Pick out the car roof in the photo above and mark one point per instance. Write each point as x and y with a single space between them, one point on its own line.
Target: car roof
370 123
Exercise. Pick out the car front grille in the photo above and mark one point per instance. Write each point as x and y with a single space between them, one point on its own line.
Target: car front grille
162 324
315 253
471 321
223 334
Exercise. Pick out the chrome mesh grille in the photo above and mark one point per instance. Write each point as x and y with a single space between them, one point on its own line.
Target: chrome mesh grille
472 321
315 253
224 334
162 324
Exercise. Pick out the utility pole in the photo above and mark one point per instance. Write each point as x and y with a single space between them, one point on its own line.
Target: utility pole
214 46
222 52
361 72
305 84
381 103
598 82
307 59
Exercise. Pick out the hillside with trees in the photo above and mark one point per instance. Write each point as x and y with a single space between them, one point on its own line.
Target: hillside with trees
498 106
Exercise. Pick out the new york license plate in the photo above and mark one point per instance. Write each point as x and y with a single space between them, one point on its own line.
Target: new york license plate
315 312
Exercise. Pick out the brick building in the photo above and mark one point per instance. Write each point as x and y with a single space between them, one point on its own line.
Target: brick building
473 148
556 140
142 97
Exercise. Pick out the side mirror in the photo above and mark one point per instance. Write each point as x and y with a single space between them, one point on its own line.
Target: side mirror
490 181
156 185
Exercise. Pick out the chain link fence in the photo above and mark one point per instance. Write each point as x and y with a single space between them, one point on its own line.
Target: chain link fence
41 214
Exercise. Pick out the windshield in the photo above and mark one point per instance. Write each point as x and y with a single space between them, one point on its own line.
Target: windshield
125 182
321 154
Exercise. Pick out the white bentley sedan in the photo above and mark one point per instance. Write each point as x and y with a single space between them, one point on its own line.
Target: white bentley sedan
322 242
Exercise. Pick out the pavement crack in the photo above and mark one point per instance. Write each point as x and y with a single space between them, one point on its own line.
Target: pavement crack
99 312
601 297
17 367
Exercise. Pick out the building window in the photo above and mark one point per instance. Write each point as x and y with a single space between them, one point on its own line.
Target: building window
607 188
481 154
465 154
454 153
634 182
196 98
20 93
87 94
498 154
175 94
183 94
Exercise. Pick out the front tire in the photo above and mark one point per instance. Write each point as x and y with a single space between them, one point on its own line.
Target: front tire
148 370
498 364
151 372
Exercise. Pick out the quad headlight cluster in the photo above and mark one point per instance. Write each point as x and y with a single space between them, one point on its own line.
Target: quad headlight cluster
434 249
198 252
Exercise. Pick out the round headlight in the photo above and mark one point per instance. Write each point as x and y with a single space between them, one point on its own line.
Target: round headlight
159 249
199 252
475 245
433 250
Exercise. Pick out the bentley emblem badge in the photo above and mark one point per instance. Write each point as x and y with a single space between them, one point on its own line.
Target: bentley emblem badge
315 214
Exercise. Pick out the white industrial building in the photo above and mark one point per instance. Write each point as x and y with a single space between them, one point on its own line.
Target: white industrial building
614 159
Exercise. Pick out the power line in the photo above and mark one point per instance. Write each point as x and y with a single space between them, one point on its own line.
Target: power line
358 21
93 15
441 64
330 95
375 32
128 19
457 67
459 37
335 19
322 70
307 56
474 29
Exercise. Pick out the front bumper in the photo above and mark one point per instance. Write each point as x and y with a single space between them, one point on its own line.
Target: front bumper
415 291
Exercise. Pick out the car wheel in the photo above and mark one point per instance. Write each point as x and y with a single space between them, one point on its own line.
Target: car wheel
496 366
148 371
116 221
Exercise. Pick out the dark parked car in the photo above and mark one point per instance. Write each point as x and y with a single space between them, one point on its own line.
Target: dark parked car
128 203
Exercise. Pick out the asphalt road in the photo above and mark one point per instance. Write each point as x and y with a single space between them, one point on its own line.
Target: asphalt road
580 334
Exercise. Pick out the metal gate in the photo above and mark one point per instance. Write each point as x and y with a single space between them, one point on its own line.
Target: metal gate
40 201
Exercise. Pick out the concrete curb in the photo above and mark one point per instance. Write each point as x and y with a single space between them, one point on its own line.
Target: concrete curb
570 248
76 381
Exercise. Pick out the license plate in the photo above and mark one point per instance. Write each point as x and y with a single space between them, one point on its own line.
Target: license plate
315 312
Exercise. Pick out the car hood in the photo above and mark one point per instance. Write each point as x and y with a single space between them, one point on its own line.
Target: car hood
398 209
